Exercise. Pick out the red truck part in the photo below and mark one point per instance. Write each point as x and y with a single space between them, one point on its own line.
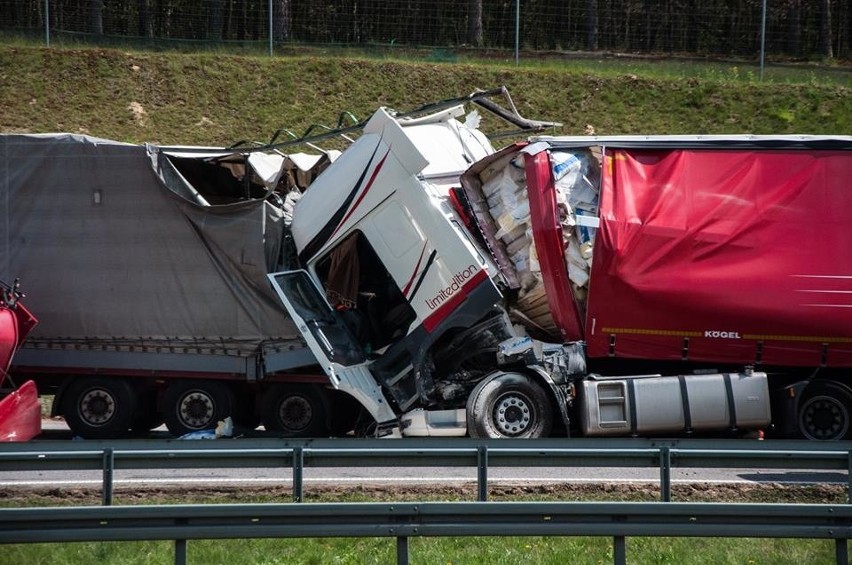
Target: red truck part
20 410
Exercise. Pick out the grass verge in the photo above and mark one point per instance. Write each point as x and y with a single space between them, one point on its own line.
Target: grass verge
444 551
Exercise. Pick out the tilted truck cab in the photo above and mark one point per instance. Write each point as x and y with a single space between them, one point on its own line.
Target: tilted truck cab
397 271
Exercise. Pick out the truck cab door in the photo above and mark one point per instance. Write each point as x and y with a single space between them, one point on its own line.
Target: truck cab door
332 343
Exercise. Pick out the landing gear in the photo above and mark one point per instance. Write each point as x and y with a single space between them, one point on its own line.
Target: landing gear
825 412
509 405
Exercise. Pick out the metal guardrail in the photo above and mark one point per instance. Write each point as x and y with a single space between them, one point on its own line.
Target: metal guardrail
110 456
402 521
618 520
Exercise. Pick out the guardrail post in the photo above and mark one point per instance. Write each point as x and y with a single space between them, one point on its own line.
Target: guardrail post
108 469
482 473
402 550
666 474
619 550
298 473
841 551
180 548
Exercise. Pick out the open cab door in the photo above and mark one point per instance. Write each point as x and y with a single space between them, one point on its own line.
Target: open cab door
332 343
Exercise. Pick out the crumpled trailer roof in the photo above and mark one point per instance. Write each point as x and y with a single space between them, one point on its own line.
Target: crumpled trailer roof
111 256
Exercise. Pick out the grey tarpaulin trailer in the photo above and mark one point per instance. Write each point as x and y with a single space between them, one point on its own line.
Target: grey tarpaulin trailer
137 272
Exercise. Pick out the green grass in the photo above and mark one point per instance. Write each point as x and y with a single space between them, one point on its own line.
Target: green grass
218 98
461 550
442 551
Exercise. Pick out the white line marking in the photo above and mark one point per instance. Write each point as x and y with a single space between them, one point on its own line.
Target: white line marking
826 291
414 481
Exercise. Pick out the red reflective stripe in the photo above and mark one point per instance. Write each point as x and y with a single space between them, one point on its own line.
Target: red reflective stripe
547 235
453 302
414 274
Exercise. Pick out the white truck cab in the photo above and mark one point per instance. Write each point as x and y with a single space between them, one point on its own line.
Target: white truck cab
386 262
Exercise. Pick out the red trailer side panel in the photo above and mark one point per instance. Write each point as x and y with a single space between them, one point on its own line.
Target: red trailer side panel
547 235
737 256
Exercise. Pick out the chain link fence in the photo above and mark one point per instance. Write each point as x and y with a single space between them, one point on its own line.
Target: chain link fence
783 30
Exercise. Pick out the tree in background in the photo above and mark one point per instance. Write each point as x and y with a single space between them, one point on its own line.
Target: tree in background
146 20
474 23
825 30
281 18
799 28
215 18
592 25
96 17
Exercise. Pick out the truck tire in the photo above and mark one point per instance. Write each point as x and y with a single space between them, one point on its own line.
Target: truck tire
509 405
825 412
295 411
99 407
190 406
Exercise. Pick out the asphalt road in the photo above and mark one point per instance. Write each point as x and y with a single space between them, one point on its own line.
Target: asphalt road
403 475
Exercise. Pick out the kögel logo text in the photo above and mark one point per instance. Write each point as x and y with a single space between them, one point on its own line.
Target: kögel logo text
455 286
723 335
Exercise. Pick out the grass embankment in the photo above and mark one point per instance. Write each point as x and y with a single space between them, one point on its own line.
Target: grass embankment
217 99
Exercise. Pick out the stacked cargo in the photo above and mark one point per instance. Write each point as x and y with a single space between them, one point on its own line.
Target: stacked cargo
576 178
502 208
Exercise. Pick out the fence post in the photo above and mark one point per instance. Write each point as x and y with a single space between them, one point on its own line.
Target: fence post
402 550
108 470
482 472
762 37
841 551
298 473
180 552
666 473
47 22
849 478
180 549
619 550
517 31
270 28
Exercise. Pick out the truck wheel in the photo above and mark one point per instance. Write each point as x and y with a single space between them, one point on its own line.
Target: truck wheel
294 411
509 405
190 406
99 408
824 413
